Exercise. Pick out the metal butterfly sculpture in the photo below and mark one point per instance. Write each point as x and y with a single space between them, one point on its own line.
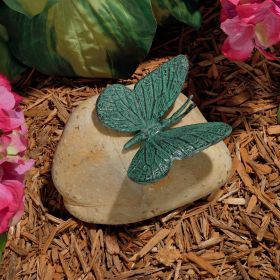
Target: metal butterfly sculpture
141 111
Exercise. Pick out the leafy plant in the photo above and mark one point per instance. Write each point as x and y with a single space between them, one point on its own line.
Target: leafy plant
185 11
91 38
9 64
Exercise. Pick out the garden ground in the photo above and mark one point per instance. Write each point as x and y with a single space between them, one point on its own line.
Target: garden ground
232 234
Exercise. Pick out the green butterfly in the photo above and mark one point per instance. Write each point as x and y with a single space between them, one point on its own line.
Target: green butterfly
142 110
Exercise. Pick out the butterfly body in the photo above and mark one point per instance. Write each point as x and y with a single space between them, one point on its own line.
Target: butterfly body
144 134
153 128
142 111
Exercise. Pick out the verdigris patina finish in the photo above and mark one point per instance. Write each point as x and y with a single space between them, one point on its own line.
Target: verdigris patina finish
142 112
90 167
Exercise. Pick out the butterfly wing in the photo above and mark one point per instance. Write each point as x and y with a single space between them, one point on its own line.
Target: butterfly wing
149 164
124 110
154 158
118 109
158 90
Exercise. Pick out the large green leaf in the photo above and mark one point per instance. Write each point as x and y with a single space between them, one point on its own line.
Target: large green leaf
27 7
3 240
89 38
9 66
183 10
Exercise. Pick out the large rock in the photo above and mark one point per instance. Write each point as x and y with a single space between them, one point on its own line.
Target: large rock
90 171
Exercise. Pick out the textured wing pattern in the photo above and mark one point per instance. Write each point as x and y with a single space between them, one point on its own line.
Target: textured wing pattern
188 140
158 90
125 110
149 164
153 160
117 108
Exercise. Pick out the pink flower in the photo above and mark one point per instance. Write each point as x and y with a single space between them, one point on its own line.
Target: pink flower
250 24
11 116
12 143
11 203
4 82
13 166
10 119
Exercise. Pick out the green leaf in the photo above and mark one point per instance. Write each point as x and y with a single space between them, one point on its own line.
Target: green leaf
9 66
27 7
3 240
90 38
185 11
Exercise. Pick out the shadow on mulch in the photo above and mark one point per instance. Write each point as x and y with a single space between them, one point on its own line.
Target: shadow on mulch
53 201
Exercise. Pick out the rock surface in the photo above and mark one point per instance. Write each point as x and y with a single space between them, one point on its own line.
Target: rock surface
90 171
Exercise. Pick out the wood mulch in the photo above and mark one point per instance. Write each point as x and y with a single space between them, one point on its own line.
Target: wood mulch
232 234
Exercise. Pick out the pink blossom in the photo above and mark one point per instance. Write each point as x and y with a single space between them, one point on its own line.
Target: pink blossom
11 203
7 99
10 119
11 116
15 168
4 82
13 165
13 143
250 24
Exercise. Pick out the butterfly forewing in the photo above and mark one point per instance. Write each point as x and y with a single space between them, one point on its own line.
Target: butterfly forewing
158 90
176 143
125 110
117 108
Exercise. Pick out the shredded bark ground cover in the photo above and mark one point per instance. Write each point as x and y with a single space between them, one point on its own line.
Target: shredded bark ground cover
232 234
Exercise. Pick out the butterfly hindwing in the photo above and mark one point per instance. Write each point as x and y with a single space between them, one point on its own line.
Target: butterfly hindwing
188 140
155 156
158 90
148 165
117 108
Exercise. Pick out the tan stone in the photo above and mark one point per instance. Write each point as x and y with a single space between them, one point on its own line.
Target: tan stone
90 171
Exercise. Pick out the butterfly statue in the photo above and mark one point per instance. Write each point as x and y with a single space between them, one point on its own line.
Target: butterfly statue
142 110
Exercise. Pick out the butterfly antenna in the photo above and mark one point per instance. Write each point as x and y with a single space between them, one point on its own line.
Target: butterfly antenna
180 113
192 106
